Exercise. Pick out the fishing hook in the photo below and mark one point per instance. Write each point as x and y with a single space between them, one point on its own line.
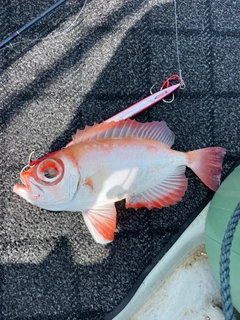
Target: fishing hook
26 166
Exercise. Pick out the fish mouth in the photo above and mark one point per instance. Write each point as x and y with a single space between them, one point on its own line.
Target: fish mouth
20 189
29 192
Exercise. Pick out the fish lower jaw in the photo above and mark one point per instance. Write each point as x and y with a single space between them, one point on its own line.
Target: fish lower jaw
29 195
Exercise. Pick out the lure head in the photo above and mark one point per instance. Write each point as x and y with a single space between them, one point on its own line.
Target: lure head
50 182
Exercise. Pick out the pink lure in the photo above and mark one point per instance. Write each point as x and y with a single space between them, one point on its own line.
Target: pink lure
113 161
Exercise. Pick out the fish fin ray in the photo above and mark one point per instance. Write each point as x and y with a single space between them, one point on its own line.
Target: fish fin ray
164 194
126 128
101 222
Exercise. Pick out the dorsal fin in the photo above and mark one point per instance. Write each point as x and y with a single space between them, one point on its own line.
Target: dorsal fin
126 128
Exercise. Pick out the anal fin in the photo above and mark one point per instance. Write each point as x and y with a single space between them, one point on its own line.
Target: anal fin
101 222
166 193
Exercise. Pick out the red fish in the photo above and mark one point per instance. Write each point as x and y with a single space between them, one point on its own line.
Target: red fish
112 161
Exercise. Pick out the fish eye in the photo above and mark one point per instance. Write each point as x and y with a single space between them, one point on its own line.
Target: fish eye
50 173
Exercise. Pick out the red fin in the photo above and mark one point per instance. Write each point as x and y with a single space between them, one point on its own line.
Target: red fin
207 165
168 192
101 222
126 128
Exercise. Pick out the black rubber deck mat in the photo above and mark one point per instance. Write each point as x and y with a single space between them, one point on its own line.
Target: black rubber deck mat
50 267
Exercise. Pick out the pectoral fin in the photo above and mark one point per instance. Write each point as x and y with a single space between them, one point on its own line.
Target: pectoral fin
166 193
101 222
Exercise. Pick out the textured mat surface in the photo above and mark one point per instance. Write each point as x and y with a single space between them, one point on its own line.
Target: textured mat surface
50 267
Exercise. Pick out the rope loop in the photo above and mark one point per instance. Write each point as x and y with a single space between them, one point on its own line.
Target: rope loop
225 287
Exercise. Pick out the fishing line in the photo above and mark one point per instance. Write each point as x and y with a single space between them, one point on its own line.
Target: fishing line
53 36
26 166
177 40
178 76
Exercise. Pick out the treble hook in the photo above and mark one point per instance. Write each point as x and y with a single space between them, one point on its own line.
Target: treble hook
167 101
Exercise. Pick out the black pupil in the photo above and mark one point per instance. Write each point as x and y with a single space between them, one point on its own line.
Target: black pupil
50 173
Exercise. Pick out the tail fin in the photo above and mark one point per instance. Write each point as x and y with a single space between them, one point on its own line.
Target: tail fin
207 165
